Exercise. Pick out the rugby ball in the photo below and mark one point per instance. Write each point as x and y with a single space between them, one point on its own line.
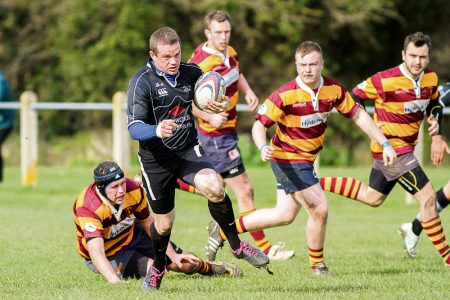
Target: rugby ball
210 86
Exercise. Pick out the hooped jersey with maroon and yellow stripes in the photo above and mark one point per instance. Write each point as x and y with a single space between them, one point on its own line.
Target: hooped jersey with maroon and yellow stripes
226 65
95 217
400 105
301 115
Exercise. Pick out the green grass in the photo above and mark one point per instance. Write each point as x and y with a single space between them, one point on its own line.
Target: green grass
38 259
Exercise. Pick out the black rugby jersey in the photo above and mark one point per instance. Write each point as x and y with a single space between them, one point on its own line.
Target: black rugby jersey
152 98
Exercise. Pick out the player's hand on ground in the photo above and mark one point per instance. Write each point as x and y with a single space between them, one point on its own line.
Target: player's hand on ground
434 125
438 149
217 120
118 281
266 152
251 100
166 128
389 156
214 107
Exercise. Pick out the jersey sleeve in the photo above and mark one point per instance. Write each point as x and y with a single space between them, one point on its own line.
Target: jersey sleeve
366 90
138 100
271 110
89 223
345 103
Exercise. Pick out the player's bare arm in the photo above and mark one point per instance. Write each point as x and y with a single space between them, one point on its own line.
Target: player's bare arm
259 134
365 122
434 125
250 97
96 248
438 149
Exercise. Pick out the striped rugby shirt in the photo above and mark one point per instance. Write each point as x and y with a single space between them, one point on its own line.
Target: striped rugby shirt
95 217
226 65
400 104
301 115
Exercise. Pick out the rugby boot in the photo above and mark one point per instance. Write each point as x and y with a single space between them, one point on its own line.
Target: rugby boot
410 240
252 255
225 269
215 240
152 281
278 252
320 269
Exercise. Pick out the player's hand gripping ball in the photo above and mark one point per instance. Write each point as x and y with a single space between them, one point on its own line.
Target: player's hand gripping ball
210 86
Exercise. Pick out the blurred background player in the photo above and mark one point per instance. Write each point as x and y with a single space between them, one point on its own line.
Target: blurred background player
217 132
402 94
301 108
7 116
112 221
410 232
160 117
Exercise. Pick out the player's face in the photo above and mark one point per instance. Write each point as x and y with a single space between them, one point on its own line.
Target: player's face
416 59
218 35
116 191
309 68
167 58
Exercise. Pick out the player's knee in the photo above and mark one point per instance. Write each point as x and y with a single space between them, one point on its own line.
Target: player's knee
210 185
286 217
164 227
320 211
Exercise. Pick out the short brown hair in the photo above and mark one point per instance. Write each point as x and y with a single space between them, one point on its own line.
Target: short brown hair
217 15
418 39
308 47
165 36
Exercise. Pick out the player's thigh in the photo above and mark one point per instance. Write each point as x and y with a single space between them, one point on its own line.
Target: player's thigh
240 183
159 183
379 188
313 199
414 181
193 162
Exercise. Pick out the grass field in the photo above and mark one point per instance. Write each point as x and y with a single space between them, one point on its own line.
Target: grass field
38 259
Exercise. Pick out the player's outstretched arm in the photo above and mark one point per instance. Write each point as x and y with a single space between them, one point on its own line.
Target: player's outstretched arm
365 122
96 248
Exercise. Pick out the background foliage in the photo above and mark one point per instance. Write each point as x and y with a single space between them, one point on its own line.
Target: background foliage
81 50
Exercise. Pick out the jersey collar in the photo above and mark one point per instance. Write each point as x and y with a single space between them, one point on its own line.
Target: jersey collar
224 56
416 83
314 96
167 77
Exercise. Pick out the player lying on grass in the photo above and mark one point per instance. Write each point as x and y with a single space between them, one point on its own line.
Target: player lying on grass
411 231
112 221
402 95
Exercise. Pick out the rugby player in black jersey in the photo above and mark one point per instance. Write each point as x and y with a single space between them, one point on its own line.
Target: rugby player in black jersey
160 117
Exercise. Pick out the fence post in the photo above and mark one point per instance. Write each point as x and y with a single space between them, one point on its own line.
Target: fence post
418 152
121 140
28 139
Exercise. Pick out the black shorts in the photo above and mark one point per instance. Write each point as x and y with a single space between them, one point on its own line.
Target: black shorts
411 181
233 172
159 176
